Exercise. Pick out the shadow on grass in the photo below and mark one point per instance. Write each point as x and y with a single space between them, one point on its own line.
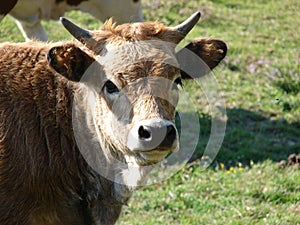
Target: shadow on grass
251 137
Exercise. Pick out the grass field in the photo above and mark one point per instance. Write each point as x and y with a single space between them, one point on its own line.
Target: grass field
260 82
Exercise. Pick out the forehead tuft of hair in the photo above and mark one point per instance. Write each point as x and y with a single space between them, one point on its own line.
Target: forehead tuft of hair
140 31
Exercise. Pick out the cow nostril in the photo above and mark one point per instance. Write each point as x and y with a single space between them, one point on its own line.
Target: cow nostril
144 133
170 137
171 133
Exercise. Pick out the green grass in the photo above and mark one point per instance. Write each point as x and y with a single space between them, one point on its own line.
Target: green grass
260 82
261 194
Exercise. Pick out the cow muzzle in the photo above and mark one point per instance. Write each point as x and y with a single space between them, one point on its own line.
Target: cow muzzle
153 137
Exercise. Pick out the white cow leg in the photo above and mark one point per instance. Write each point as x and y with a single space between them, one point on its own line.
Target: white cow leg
32 31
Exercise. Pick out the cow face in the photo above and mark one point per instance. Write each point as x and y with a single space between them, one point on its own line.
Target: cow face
137 92
140 95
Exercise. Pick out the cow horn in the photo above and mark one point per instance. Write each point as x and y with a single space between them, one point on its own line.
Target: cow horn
84 36
185 27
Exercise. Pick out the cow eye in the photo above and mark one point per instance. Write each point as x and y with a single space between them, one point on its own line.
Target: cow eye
111 87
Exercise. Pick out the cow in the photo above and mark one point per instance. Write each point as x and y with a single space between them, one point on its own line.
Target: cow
29 13
44 176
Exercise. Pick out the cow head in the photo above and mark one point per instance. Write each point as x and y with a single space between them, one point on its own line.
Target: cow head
137 90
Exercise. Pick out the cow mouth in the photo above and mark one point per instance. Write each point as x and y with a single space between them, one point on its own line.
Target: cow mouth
159 150
155 155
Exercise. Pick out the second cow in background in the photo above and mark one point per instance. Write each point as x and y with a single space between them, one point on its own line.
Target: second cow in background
29 13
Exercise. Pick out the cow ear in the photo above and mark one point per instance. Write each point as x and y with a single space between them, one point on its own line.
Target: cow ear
69 61
211 52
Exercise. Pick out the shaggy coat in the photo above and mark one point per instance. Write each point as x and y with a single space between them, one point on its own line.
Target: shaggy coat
43 178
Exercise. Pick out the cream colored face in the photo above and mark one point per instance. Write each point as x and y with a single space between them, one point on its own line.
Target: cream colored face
133 101
138 98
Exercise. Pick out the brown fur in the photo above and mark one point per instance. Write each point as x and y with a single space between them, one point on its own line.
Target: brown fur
142 31
44 180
